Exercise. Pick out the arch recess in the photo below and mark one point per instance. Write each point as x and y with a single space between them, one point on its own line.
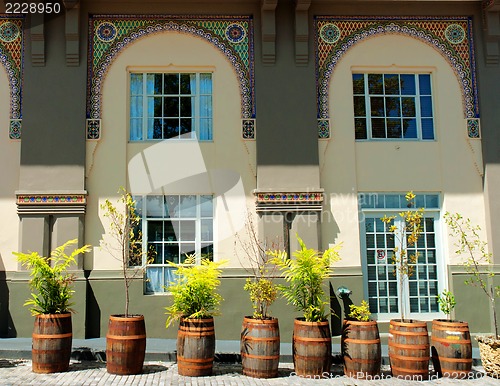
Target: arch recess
109 36
452 38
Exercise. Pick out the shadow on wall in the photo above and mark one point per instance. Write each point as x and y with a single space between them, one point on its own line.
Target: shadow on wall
7 329
93 312
339 312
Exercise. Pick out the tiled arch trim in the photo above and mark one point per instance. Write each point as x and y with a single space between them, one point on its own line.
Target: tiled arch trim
450 36
109 35
11 59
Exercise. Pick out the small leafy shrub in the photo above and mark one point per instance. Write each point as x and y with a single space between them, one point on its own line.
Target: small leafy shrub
194 292
360 313
447 302
305 276
263 292
50 279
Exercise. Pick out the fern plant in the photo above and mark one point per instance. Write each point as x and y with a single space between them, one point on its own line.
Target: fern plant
50 279
305 276
194 292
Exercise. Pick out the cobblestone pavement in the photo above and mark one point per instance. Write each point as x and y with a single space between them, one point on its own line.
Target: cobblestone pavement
18 372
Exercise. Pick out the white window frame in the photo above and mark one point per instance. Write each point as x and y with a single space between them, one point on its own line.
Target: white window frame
198 239
368 117
440 262
193 135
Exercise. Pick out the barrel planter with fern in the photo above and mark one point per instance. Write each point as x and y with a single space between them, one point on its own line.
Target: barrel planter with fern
51 343
451 348
195 347
312 347
125 344
361 348
260 347
409 349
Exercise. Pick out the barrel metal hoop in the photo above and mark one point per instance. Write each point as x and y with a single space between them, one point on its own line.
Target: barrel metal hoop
52 336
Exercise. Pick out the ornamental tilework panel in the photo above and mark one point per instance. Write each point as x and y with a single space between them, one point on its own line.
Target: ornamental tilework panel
109 35
11 58
473 128
450 36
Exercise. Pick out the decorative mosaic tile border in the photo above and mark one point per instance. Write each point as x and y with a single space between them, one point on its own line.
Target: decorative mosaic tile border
473 128
323 128
111 34
289 197
50 199
450 36
12 59
248 127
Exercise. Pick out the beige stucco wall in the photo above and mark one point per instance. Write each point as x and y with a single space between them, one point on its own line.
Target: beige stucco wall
224 167
451 165
9 158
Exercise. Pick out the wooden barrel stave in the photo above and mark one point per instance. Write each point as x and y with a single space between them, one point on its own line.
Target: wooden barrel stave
195 347
51 343
409 349
361 349
451 348
260 347
125 344
312 348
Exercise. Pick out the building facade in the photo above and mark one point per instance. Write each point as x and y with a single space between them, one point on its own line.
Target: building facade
311 117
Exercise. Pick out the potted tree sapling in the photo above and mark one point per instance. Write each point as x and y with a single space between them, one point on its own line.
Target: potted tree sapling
51 305
478 264
126 336
305 275
450 360
407 337
360 343
260 335
195 302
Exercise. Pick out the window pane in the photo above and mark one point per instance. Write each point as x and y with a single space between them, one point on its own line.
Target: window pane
188 206
154 279
205 106
171 128
205 133
426 106
392 107
171 84
136 110
186 127
187 249
157 84
171 231
427 128
410 128
157 129
391 84
154 206
172 203
378 128
207 251
206 230
187 107
136 84
171 108
155 231
377 106
188 83
360 128
424 81
393 128
136 129
188 230
432 201
375 84
408 107
205 83
171 253
407 84
358 83
206 209
359 106
157 108
150 83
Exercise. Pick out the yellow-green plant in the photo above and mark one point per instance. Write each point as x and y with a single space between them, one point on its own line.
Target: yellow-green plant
478 262
50 279
361 313
447 302
306 275
406 236
194 292
127 239
263 292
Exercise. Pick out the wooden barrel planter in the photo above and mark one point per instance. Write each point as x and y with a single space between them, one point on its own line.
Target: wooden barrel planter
451 349
125 344
312 348
409 349
361 349
260 347
51 343
195 347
